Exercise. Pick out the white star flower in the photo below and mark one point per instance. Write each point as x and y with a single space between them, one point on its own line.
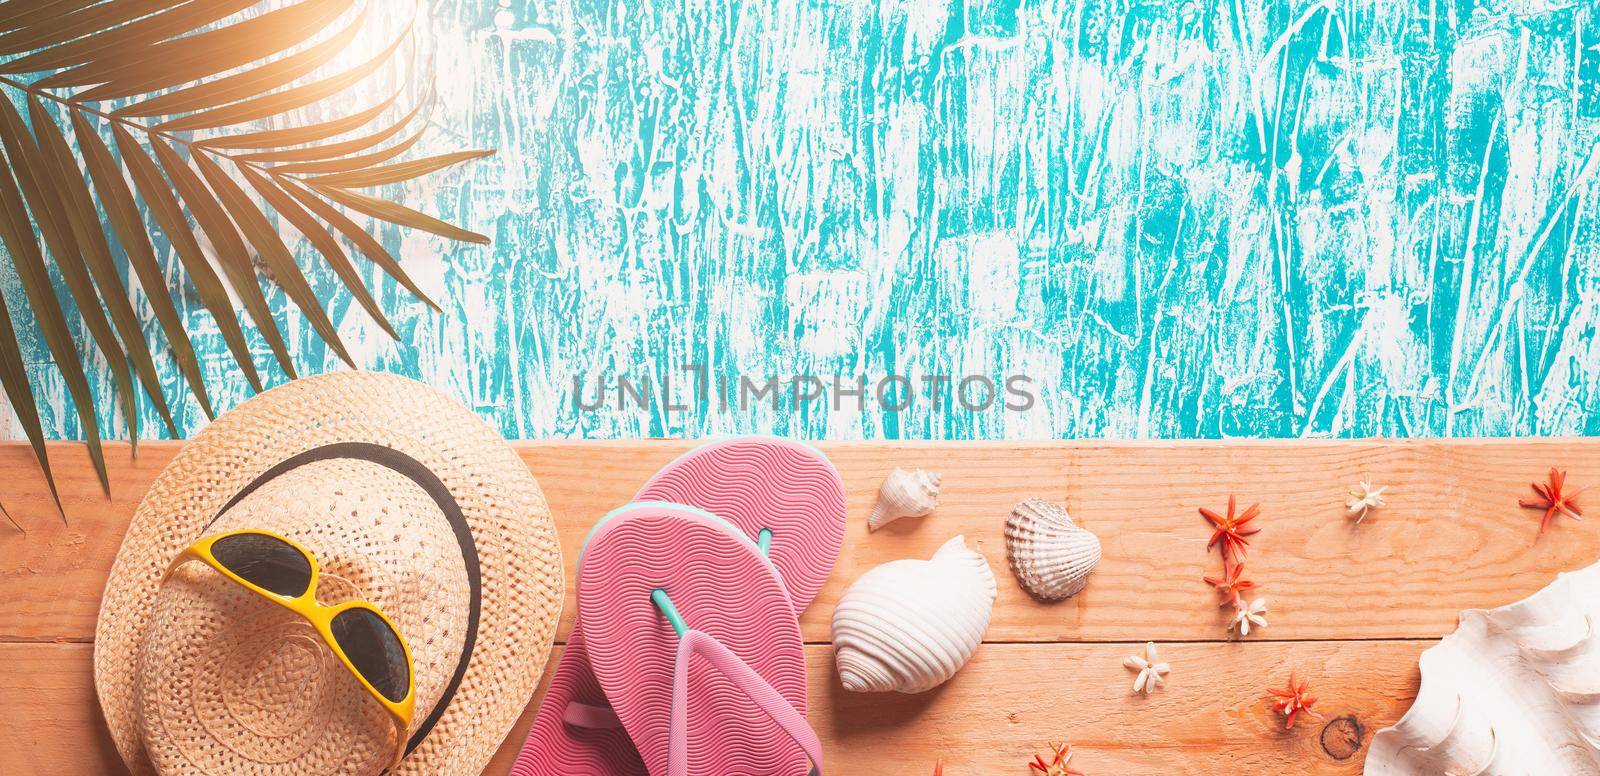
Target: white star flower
1151 672
1364 499
1251 615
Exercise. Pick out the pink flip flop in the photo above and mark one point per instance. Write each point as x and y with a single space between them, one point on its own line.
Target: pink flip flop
784 495
576 733
659 584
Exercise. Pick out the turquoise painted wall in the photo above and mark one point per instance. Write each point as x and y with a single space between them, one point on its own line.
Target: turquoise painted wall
1179 219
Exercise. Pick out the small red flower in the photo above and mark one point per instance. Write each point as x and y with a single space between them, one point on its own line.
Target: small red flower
1231 530
1293 701
1059 766
1553 500
1231 587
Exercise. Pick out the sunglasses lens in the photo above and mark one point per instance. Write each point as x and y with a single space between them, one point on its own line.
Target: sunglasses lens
375 650
265 562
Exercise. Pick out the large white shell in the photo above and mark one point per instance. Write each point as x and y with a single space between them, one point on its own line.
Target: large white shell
1050 555
904 493
909 625
1514 690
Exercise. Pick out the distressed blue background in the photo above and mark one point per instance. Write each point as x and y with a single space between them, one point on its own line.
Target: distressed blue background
1182 219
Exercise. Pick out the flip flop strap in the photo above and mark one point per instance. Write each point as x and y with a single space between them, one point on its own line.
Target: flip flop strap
586 715
749 682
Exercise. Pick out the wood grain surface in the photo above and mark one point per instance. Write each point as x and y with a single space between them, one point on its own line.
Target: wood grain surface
1351 606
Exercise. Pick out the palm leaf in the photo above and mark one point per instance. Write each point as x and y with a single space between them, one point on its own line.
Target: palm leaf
231 253
40 194
353 162
279 102
193 57
78 207
120 206
321 239
396 173
267 244
364 242
29 262
339 149
163 205
15 379
310 133
10 519
16 14
66 46
396 213
259 80
247 74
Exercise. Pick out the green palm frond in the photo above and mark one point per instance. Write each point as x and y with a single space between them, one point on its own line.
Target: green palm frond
193 114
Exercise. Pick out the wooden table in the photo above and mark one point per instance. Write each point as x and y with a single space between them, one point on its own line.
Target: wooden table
1351 607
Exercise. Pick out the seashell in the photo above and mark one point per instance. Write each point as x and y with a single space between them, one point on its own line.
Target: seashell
904 493
909 625
1050 555
1512 690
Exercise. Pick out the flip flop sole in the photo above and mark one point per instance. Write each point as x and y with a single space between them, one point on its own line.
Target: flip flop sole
555 748
786 487
720 584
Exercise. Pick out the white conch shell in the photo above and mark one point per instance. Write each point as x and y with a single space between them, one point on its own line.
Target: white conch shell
904 493
1051 555
909 625
1512 690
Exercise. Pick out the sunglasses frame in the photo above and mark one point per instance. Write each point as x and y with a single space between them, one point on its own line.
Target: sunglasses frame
321 617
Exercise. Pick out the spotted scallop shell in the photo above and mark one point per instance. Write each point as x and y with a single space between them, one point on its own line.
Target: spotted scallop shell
1050 555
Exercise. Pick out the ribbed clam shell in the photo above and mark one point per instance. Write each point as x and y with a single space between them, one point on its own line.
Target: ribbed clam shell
904 493
1050 555
909 625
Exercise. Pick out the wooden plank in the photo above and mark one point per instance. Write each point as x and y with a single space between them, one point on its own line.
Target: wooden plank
1008 703
49 712
1453 536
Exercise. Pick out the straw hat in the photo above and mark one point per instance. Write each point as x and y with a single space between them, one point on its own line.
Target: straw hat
407 500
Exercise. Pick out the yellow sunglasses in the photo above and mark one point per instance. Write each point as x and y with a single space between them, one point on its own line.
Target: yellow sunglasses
366 641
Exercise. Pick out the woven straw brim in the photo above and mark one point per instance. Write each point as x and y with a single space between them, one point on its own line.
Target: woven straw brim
518 553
